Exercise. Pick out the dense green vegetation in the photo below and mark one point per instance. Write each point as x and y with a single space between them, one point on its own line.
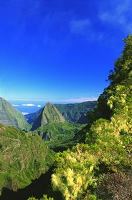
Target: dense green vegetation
59 134
52 127
10 116
76 112
81 172
23 158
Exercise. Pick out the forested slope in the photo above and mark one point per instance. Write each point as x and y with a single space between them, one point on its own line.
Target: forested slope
100 168
23 158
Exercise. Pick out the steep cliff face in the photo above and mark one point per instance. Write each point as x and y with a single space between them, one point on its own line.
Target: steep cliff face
73 112
11 117
49 114
76 112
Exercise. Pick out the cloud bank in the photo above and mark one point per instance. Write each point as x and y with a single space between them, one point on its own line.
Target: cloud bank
25 113
28 105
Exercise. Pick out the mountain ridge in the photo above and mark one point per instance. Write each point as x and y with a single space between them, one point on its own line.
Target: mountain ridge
72 112
11 117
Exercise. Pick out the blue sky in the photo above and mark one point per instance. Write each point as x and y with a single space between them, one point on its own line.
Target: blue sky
60 50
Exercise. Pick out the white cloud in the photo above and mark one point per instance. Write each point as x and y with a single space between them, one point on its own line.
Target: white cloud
25 113
31 105
117 13
28 105
15 105
39 106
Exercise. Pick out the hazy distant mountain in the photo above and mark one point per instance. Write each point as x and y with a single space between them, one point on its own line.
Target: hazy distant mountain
10 116
49 114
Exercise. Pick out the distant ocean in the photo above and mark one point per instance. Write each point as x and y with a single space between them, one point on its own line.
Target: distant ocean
27 107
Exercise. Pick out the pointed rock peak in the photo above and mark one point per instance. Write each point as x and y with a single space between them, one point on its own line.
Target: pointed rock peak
50 107
48 104
51 114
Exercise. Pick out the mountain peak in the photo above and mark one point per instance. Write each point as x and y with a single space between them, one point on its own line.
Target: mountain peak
10 116
48 104
49 114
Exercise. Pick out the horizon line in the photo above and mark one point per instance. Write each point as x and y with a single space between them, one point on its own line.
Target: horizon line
66 100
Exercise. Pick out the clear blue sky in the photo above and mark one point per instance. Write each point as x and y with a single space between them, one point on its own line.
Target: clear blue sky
60 49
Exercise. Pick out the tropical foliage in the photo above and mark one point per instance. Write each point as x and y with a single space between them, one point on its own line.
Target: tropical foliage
23 158
59 134
107 147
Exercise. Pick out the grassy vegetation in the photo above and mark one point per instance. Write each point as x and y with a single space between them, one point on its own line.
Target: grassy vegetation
10 116
59 134
23 158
